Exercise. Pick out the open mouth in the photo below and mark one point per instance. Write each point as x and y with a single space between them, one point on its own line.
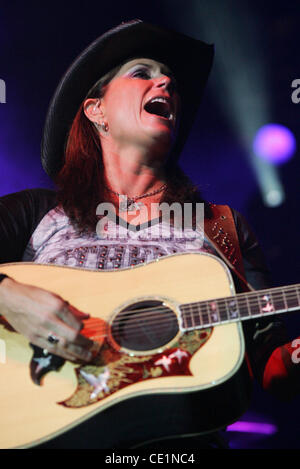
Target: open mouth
161 107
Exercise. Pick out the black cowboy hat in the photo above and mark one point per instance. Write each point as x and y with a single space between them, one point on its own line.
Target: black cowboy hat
189 59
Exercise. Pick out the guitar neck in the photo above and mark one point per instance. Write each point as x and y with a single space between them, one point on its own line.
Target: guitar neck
250 305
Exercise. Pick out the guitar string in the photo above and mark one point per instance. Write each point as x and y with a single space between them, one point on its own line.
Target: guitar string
166 321
143 313
161 326
195 308
221 302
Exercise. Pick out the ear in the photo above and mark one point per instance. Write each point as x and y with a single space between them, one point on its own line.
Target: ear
94 109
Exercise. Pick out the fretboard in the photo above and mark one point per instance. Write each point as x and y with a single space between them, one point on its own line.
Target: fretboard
243 306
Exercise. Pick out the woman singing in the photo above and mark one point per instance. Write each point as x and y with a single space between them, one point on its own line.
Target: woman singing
113 135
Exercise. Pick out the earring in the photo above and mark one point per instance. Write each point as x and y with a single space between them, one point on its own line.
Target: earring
104 126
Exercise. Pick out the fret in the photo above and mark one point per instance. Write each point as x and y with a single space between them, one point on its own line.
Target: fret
265 302
284 299
291 297
188 320
196 315
232 309
248 305
254 304
242 306
278 300
297 293
213 311
205 319
222 310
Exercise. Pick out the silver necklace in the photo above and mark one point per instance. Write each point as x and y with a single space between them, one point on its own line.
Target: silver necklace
128 204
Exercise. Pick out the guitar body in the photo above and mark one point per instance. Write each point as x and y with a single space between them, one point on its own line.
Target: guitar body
180 381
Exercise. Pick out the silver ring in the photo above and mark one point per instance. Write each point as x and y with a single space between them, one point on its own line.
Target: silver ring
52 338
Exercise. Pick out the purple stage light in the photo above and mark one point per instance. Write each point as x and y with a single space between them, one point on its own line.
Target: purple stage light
274 143
253 427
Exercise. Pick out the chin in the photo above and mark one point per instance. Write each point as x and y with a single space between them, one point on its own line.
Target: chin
163 132
161 146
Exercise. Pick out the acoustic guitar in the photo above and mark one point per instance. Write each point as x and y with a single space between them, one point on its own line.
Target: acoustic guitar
170 360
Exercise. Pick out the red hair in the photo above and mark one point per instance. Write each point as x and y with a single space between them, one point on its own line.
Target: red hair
80 179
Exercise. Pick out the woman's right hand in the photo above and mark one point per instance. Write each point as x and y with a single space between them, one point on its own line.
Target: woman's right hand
37 314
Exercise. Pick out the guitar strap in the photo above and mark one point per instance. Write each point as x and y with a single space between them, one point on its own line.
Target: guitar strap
219 227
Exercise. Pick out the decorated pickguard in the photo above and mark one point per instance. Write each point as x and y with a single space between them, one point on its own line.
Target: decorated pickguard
112 370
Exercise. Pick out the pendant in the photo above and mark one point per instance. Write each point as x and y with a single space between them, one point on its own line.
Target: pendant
128 205
134 206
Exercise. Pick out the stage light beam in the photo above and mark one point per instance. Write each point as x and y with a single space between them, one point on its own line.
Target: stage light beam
239 79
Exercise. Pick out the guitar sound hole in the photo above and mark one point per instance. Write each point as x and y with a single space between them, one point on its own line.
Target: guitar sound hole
145 325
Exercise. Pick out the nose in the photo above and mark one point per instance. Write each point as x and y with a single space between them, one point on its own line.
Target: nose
166 83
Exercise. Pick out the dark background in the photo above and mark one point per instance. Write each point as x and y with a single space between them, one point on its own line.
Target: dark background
257 57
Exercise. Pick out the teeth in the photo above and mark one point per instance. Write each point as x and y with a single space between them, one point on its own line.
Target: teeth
158 100
161 99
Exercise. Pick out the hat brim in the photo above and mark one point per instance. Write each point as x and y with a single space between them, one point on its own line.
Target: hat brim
190 61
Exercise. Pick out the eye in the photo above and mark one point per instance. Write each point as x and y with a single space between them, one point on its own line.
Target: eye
142 72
